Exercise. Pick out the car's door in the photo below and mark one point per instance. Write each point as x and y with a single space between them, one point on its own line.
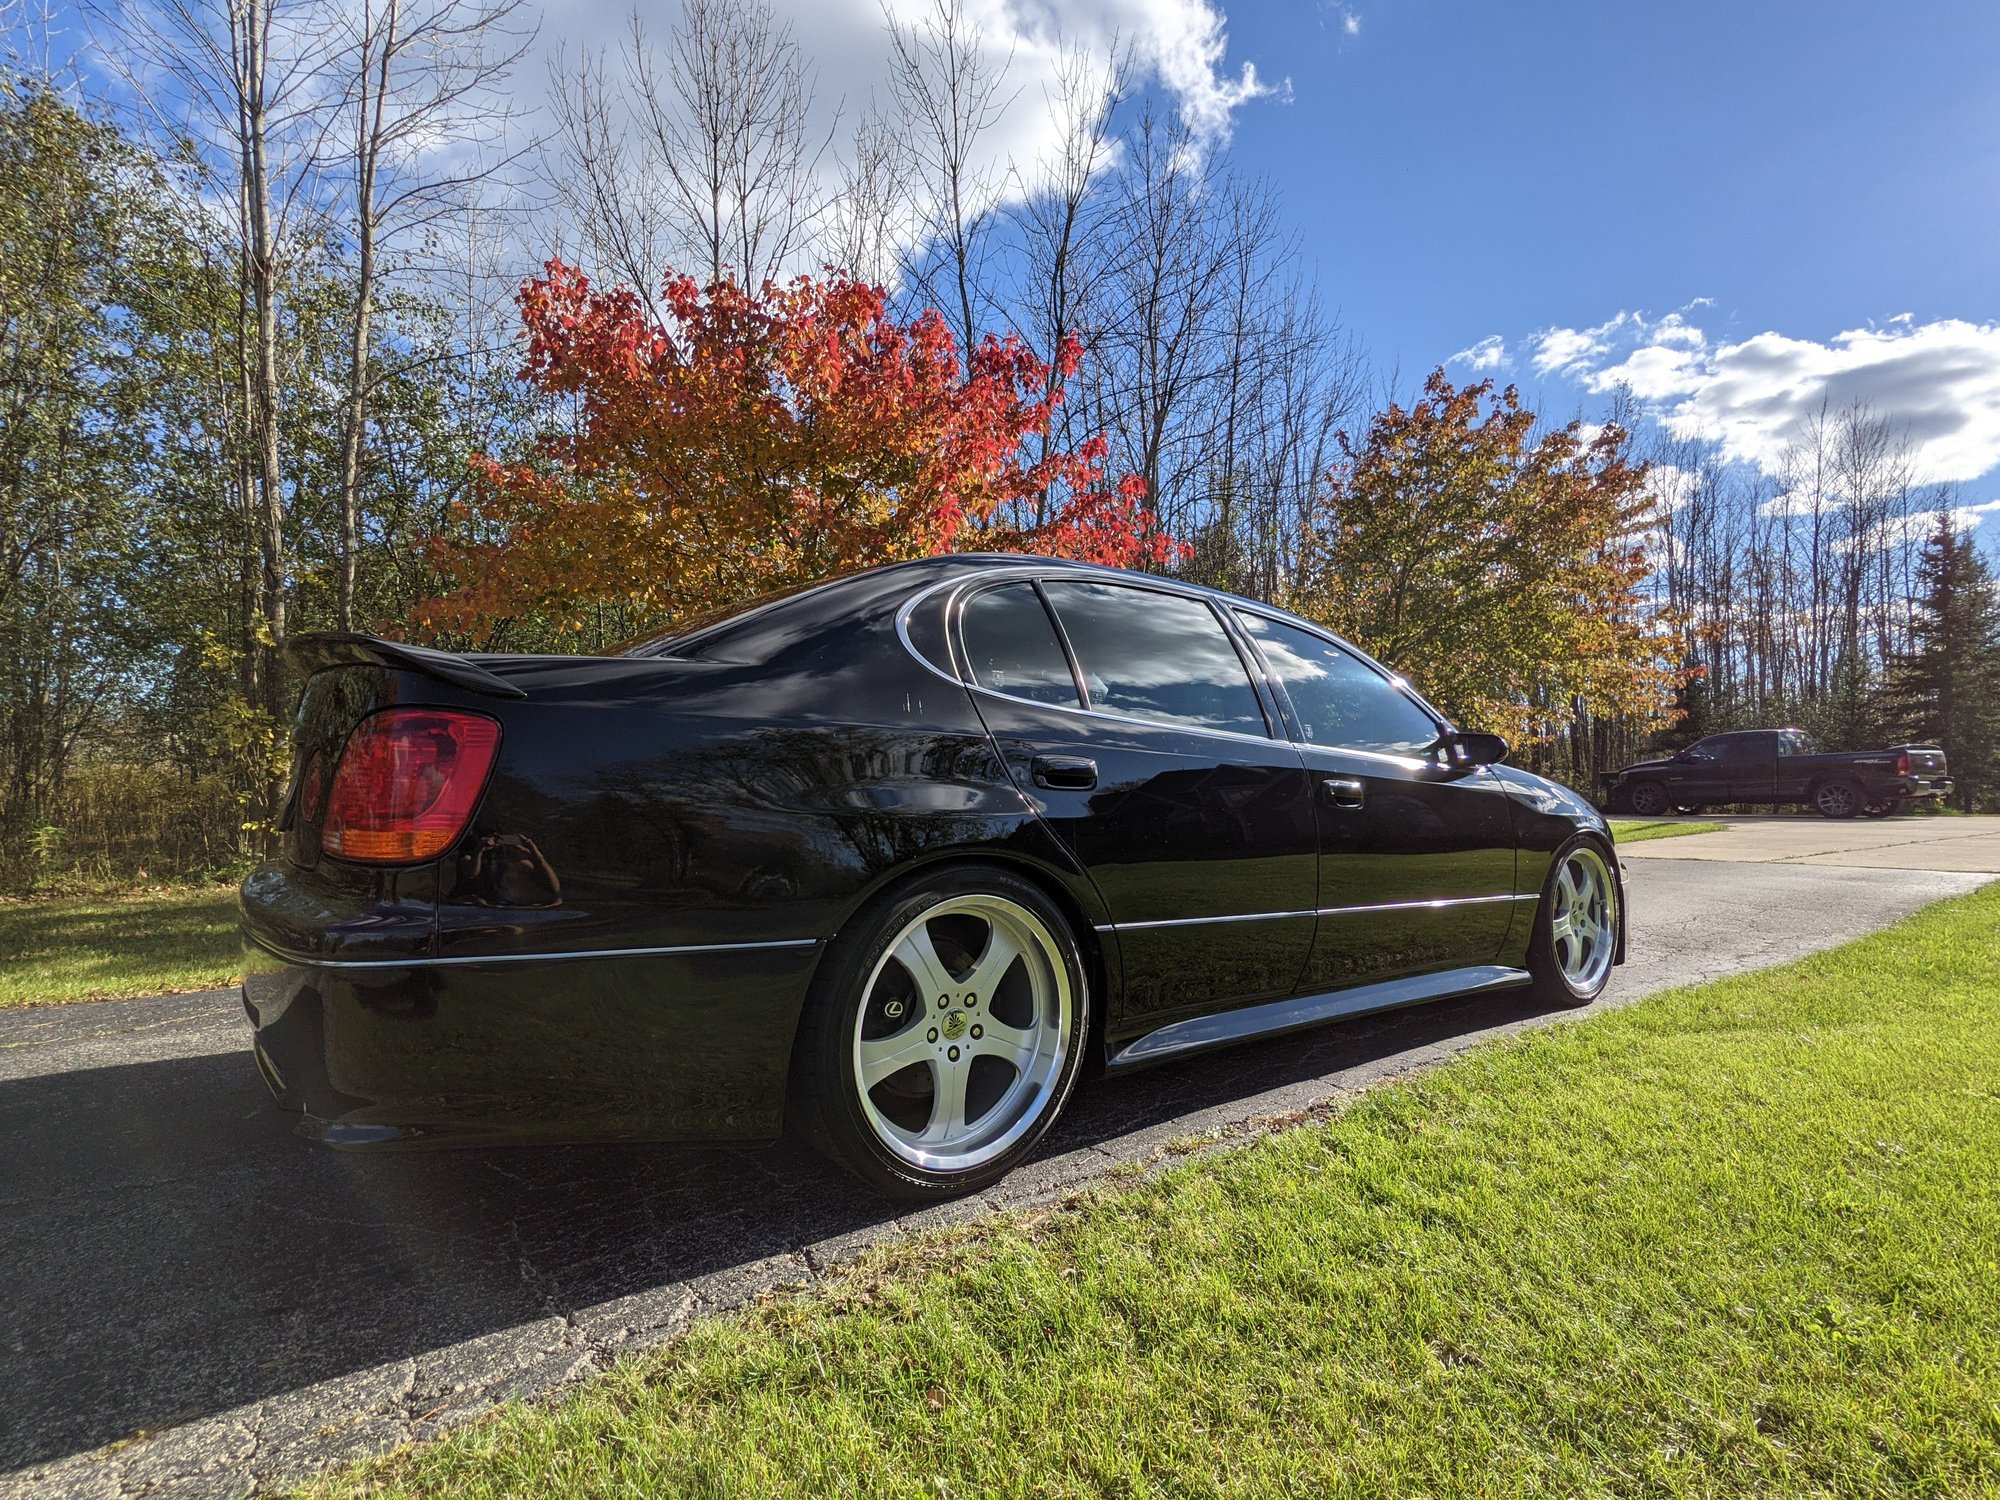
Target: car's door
1750 766
1698 774
1416 869
1793 777
1155 760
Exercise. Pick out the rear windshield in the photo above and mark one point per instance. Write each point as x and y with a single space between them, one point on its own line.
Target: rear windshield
684 630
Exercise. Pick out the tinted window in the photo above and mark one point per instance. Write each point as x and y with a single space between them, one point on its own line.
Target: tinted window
1746 749
1795 742
1339 699
1011 646
1156 656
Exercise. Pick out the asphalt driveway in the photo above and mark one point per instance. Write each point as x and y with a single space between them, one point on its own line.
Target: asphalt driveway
198 1302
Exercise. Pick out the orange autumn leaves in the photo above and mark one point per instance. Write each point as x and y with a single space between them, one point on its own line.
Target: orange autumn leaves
745 441
1498 565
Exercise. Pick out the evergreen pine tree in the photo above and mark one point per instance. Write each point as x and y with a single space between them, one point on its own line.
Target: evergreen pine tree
1946 689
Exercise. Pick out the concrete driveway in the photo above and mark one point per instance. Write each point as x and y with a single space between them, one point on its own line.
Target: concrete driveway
197 1302
1906 843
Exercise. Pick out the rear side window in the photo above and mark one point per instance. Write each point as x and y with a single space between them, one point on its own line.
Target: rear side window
1157 656
1340 700
1011 646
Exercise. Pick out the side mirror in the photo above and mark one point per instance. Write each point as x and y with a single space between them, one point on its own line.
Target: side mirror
1461 747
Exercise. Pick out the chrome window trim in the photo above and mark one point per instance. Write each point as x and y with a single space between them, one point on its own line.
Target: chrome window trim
969 586
1395 679
1324 911
961 677
455 960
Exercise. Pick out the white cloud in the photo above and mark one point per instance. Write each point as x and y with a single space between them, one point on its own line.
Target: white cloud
1490 353
1938 383
1351 24
1178 46
1571 351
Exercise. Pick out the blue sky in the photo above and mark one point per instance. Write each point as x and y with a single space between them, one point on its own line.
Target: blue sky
1734 209
1467 173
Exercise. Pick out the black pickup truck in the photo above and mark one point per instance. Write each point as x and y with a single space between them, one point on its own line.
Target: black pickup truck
1777 766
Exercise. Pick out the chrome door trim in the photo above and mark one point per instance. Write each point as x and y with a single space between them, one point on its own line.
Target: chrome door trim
1323 911
454 960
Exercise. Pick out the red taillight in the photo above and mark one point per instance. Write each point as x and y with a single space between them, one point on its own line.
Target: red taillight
406 784
1903 764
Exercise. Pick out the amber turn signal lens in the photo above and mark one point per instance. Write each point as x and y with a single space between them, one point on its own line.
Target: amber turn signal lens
406 784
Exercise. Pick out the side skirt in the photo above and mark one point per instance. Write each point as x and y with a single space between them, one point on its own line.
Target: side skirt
1276 1017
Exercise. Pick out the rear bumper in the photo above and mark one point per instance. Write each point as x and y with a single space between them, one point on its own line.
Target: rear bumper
1925 786
667 1045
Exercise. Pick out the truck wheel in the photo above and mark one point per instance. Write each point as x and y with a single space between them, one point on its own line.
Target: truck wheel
1648 800
945 1032
1838 799
1885 807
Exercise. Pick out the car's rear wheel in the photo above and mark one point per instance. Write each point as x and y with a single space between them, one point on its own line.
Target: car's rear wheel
1838 799
1575 941
1648 800
1884 807
946 1032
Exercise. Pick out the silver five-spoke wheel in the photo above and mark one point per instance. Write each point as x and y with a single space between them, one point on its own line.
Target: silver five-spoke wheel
1583 922
1580 934
962 1033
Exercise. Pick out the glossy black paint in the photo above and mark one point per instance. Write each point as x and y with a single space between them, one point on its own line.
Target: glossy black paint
622 942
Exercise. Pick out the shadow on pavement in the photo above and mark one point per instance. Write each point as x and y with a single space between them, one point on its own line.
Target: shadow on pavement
172 1251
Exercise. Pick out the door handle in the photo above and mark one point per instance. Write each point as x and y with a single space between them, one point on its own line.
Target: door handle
1342 791
1067 773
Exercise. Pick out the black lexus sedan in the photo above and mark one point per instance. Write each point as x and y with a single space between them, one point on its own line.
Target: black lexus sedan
898 857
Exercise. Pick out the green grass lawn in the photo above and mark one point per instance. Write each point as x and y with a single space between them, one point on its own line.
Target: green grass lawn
102 947
1638 830
1741 1239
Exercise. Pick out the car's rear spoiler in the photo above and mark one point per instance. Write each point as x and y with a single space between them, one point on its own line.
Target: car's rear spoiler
323 649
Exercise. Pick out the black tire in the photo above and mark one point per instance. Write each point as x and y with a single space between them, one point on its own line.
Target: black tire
1554 985
1886 807
1839 798
1647 799
859 965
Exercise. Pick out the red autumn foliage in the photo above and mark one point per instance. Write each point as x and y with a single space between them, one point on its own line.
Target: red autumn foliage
751 441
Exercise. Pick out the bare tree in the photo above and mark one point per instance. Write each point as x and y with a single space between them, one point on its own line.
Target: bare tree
422 101
706 154
1060 216
868 219
948 89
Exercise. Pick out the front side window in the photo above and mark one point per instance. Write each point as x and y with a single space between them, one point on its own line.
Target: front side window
1746 749
1156 656
1339 699
1011 646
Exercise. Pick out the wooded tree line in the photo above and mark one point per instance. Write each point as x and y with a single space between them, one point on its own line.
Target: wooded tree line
265 372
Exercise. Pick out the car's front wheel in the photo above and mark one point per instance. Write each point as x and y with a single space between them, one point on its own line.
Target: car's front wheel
1575 941
946 1031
